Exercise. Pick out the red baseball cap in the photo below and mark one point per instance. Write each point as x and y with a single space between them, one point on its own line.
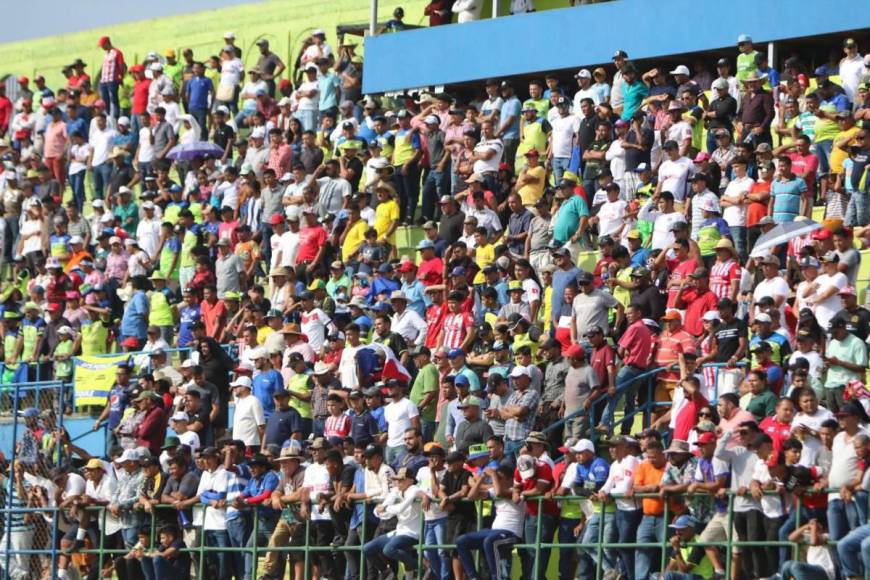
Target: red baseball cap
575 350
102 41
23 80
706 437
54 307
407 266
130 342
822 234
276 219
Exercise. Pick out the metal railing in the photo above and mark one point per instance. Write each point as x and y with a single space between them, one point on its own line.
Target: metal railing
198 554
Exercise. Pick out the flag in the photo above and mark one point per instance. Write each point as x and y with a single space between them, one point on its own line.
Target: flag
393 367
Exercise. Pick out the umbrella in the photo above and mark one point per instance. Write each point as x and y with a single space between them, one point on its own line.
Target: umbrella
782 234
188 151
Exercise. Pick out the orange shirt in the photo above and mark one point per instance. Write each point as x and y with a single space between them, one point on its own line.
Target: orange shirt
647 474
212 316
668 349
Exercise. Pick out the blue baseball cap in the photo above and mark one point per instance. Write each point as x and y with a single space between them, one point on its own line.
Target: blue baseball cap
455 352
458 271
31 412
461 380
384 268
683 522
425 244
744 38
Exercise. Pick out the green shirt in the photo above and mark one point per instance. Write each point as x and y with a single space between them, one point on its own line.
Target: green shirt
425 383
63 369
187 246
745 65
94 336
850 349
167 254
125 93
333 285
125 212
761 405
160 313
299 384
704 568
173 71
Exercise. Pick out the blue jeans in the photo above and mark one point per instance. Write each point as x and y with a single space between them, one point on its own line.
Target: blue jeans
858 210
489 541
652 529
854 551
399 548
408 190
625 386
801 571
436 184
429 429
823 152
201 116
842 518
627 522
102 173
218 539
567 556
738 233
560 166
237 530
392 454
109 94
77 184
308 119
439 559
512 447
680 576
527 555
265 527
590 536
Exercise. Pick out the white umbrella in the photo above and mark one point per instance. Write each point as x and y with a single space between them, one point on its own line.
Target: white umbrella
782 234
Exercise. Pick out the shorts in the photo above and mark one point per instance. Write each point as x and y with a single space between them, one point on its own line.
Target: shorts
716 531
664 391
456 526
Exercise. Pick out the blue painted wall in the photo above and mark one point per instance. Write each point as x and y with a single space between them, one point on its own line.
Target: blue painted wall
574 37
79 429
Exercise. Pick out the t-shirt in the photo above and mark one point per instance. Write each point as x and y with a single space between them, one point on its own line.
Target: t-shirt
826 309
398 415
509 516
772 287
728 338
787 198
564 129
648 474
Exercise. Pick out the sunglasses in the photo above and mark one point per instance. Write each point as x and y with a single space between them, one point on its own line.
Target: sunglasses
705 414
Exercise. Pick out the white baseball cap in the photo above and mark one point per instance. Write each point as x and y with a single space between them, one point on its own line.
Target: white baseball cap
128 455
583 445
681 70
156 66
188 363
98 203
76 240
180 416
229 34
241 382
123 120
520 371
583 73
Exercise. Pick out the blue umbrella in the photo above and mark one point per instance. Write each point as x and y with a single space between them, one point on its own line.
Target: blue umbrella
781 234
188 151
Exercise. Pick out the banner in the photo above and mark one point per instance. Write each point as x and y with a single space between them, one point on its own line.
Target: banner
94 377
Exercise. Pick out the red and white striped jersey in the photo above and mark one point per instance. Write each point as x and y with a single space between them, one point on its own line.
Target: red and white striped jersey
721 276
456 329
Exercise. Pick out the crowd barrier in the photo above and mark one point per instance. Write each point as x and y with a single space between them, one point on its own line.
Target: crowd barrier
200 553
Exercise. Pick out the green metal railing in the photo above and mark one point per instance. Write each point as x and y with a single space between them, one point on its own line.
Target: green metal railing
199 553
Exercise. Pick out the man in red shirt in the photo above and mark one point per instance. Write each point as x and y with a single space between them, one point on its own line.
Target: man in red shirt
602 359
5 110
696 298
671 345
152 430
687 414
679 267
435 314
725 274
778 427
431 269
312 241
635 349
535 478
212 311
139 102
111 75
804 163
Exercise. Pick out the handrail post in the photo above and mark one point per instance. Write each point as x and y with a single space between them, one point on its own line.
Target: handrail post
600 548
11 483
201 536
664 555
102 534
362 540
256 541
797 524
307 573
421 542
729 543
537 563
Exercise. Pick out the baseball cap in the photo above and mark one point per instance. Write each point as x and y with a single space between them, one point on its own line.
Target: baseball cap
526 466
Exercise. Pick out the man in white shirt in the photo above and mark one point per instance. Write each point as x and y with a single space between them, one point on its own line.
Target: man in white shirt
101 140
249 422
315 322
290 239
565 127
674 172
851 68
148 231
213 487
735 202
584 81
663 219
400 544
772 285
400 414
407 322
467 10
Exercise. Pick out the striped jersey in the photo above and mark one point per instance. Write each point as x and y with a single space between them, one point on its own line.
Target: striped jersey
721 276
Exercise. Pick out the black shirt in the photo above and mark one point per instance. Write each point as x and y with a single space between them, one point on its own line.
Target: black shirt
281 425
223 134
450 228
452 483
634 157
728 337
586 134
356 166
651 302
857 321
363 427
725 109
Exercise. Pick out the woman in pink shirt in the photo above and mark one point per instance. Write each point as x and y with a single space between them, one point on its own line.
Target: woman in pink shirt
54 149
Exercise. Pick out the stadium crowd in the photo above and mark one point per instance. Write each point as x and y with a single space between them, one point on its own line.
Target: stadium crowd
293 367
